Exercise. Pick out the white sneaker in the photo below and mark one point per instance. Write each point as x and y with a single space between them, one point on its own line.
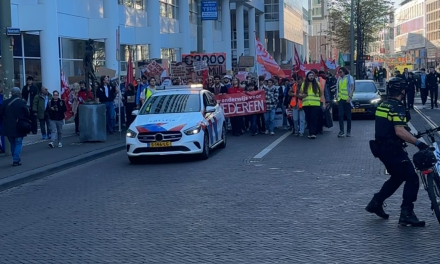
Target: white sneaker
267 132
60 145
51 144
272 133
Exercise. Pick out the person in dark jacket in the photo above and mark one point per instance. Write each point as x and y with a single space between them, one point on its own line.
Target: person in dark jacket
106 95
411 90
129 100
2 138
57 109
30 90
432 85
11 111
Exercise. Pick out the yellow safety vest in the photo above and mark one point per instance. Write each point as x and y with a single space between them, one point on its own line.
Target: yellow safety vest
311 99
342 89
148 93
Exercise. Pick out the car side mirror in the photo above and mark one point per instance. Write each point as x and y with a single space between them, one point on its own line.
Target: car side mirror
135 112
210 109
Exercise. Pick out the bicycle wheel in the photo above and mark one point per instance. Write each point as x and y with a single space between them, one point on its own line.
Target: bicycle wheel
433 192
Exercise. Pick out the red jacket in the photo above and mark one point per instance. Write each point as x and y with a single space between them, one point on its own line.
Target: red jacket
84 95
233 90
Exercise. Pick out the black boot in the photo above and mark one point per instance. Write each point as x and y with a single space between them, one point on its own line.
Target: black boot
376 207
408 217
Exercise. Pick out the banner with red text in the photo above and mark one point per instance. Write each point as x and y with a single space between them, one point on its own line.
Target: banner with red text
242 104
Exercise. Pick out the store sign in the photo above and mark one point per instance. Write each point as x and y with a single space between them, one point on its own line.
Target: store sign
12 31
209 10
216 63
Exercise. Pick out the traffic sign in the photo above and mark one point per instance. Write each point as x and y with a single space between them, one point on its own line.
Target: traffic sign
12 31
209 10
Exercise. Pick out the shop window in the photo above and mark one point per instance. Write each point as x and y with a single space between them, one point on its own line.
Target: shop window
33 68
136 4
73 48
31 45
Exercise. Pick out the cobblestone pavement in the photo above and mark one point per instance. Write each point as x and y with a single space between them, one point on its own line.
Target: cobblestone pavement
301 203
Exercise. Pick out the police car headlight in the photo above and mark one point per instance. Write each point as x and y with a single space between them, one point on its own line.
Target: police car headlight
193 130
375 101
131 133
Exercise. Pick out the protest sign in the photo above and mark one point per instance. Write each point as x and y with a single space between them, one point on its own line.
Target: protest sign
241 104
216 63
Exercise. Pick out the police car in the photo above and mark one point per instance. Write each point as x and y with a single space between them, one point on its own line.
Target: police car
177 120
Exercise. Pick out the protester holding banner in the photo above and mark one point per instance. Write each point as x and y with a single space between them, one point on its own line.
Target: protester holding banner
271 104
311 95
217 87
250 121
236 121
261 121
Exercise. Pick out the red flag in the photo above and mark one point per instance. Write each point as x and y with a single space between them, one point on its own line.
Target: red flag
65 94
298 68
323 65
129 78
265 60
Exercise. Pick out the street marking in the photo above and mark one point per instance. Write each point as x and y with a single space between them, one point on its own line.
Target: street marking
272 146
415 131
427 119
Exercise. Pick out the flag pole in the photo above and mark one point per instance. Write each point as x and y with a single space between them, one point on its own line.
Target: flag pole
119 79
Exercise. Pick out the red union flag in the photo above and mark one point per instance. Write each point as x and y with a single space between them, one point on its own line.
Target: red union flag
298 67
265 60
241 104
65 94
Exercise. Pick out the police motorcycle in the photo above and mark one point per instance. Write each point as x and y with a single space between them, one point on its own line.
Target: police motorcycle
428 167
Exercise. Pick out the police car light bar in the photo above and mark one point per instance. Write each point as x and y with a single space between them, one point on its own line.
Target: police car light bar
182 87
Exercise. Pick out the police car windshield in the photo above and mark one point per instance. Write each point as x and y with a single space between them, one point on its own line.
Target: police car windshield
365 87
171 103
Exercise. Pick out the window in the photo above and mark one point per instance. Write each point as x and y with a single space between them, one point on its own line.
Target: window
136 4
192 12
168 8
171 103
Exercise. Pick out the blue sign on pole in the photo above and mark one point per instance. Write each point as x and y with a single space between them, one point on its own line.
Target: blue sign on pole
209 10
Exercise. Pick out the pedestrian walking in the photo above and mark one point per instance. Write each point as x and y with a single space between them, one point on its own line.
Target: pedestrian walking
271 103
30 90
129 100
298 115
57 110
432 85
390 135
106 95
344 94
411 90
41 111
423 87
14 117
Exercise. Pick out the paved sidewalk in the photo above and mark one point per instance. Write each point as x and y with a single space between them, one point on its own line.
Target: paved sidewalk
39 160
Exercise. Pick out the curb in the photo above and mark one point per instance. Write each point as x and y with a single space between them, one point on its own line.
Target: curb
39 173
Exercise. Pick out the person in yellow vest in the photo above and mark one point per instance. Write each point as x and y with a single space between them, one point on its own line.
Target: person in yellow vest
344 94
298 115
311 95
151 89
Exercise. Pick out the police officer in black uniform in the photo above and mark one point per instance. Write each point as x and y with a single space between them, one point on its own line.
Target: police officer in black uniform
392 133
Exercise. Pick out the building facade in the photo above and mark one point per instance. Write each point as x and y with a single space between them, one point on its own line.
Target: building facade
53 33
409 33
432 32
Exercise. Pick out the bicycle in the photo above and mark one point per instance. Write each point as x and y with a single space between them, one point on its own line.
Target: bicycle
430 177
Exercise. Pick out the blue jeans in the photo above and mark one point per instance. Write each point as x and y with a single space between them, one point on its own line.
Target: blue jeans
344 108
299 120
254 126
16 144
269 118
110 114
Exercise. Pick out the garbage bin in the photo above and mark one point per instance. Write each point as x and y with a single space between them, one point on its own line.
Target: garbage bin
92 123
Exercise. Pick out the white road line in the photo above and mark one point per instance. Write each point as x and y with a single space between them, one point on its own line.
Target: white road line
414 130
272 146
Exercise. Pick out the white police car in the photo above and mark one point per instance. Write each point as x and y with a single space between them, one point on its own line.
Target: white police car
177 120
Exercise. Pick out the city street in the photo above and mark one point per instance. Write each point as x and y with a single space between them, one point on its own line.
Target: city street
301 202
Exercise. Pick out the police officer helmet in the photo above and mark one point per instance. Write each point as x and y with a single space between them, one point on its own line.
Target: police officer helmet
396 85
424 159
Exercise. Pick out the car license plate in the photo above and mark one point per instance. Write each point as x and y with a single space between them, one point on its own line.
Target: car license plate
163 144
358 110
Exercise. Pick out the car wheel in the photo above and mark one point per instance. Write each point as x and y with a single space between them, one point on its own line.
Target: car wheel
223 144
135 160
205 154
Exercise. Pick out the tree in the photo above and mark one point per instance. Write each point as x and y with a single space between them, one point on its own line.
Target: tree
370 16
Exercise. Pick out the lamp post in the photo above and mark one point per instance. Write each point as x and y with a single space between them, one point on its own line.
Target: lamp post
199 27
7 59
352 39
